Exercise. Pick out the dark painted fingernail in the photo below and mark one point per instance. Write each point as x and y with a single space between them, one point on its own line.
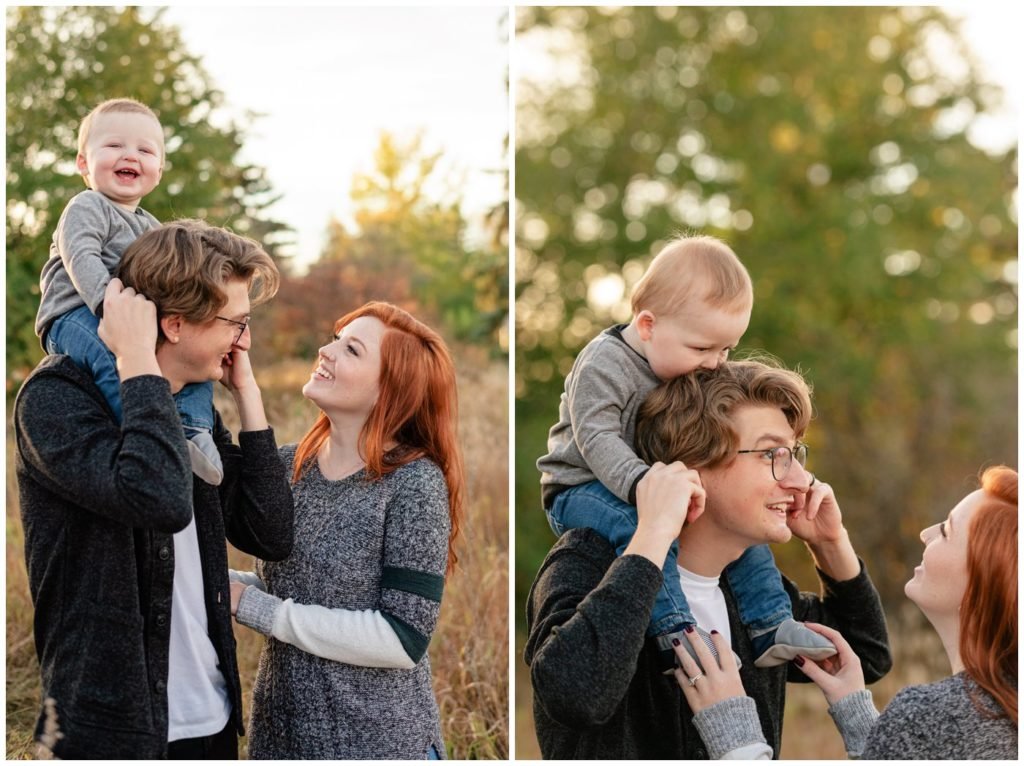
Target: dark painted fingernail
675 642
688 629
799 661
714 631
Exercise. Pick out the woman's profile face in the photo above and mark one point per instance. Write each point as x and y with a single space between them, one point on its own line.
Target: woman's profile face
939 582
347 374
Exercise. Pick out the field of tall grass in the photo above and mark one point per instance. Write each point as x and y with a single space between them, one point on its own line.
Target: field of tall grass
469 650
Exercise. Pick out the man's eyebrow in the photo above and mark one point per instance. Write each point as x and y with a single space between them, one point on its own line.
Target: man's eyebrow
773 439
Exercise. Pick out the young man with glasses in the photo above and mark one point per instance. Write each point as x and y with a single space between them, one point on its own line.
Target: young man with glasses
124 542
736 429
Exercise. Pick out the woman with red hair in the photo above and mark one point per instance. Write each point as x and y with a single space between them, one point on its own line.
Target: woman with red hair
378 486
966 585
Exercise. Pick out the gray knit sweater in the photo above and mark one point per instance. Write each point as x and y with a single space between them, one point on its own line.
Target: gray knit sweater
359 545
936 721
91 236
593 437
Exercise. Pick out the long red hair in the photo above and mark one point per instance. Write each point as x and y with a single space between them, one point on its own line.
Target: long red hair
988 619
417 406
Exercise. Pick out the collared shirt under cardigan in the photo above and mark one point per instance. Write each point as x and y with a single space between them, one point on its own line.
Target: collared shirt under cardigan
597 689
100 504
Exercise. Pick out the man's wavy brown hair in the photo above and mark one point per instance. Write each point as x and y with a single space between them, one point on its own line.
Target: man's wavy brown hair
691 418
184 267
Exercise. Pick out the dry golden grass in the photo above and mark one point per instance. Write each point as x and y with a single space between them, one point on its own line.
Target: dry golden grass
469 651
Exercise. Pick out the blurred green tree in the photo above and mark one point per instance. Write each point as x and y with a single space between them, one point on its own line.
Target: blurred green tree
408 246
61 62
830 147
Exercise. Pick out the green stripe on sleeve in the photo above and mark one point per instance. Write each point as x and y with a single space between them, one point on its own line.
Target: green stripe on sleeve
424 584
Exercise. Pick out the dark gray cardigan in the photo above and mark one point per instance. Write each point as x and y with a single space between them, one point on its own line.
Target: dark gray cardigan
100 504
597 689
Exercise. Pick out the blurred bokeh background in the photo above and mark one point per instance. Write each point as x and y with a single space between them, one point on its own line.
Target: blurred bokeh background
390 127
863 165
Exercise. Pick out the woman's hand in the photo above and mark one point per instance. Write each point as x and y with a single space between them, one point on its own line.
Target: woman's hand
237 589
719 681
837 676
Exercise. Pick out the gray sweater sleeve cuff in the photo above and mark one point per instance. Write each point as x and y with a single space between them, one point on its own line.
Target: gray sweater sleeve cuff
729 724
854 715
257 609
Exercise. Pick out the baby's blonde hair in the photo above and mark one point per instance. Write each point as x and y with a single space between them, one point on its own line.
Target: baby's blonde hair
693 268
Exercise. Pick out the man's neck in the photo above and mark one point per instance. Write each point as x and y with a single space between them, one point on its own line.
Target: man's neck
705 551
169 370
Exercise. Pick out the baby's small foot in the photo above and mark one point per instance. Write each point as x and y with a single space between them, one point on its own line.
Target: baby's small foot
790 639
206 462
667 656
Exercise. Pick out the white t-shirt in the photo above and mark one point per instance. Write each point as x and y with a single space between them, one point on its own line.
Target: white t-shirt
707 602
197 695
707 605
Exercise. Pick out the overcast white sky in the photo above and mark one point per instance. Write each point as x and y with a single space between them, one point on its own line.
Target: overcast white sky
330 80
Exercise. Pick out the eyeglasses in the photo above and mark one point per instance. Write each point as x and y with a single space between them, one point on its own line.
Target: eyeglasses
244 324
781 457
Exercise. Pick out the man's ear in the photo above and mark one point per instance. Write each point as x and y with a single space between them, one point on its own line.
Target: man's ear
645 325
171 326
